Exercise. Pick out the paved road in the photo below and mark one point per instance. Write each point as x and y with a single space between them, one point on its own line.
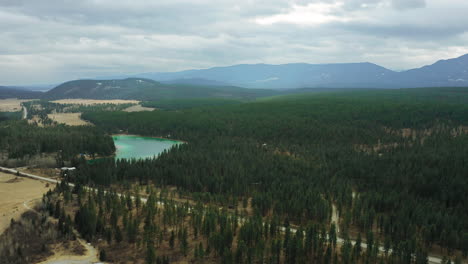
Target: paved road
431 259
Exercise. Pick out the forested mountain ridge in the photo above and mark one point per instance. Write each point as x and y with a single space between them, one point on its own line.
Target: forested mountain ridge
294 75
148 90
451 72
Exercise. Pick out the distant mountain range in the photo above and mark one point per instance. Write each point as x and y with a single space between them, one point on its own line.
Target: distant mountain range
452 72
226 82
17 92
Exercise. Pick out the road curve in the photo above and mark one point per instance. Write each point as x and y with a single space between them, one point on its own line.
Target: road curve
431 259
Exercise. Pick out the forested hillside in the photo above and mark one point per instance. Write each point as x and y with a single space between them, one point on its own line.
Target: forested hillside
147 90
404 162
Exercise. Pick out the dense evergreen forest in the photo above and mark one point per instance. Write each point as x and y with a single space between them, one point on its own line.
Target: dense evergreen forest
392 163
404 161
4 116
158 229
19 139
189 103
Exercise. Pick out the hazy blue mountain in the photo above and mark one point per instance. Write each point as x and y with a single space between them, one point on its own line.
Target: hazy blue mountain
196 81
452 72
295 75
18 92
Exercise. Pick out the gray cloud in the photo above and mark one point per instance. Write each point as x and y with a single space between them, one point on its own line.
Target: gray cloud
408 4
61 40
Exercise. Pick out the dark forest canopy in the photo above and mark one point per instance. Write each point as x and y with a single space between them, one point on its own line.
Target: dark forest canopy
4 116
406 160
189 103
393 162
19 139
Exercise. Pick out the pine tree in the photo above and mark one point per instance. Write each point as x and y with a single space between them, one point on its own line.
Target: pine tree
184 242
118 235
102 255
150 254
172 239
358 247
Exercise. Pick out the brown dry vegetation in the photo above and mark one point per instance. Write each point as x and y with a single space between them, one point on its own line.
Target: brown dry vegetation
35 238
35 120
243 206
71 119
53 173
413 135
71 250
28 240
11 105
374 149
14 191
129 253
40 160
94 102
138 108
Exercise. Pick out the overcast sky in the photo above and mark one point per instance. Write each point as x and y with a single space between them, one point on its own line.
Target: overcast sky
50 41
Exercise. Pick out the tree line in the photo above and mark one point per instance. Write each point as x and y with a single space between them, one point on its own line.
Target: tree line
19 139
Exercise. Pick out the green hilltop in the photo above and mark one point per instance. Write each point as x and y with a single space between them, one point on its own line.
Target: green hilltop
148 90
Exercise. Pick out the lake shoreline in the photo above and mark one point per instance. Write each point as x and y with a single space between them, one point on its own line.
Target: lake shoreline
133 135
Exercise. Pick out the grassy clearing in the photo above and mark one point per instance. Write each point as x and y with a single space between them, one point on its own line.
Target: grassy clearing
71 119
11 105
94 102
14 191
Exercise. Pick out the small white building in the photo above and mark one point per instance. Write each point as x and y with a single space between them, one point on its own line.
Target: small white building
68 168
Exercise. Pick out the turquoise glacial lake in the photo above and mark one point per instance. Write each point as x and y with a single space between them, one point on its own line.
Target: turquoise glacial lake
138 147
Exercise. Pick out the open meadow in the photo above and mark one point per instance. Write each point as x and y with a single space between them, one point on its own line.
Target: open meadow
71 119
138 108
94 102
11 105
16 195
